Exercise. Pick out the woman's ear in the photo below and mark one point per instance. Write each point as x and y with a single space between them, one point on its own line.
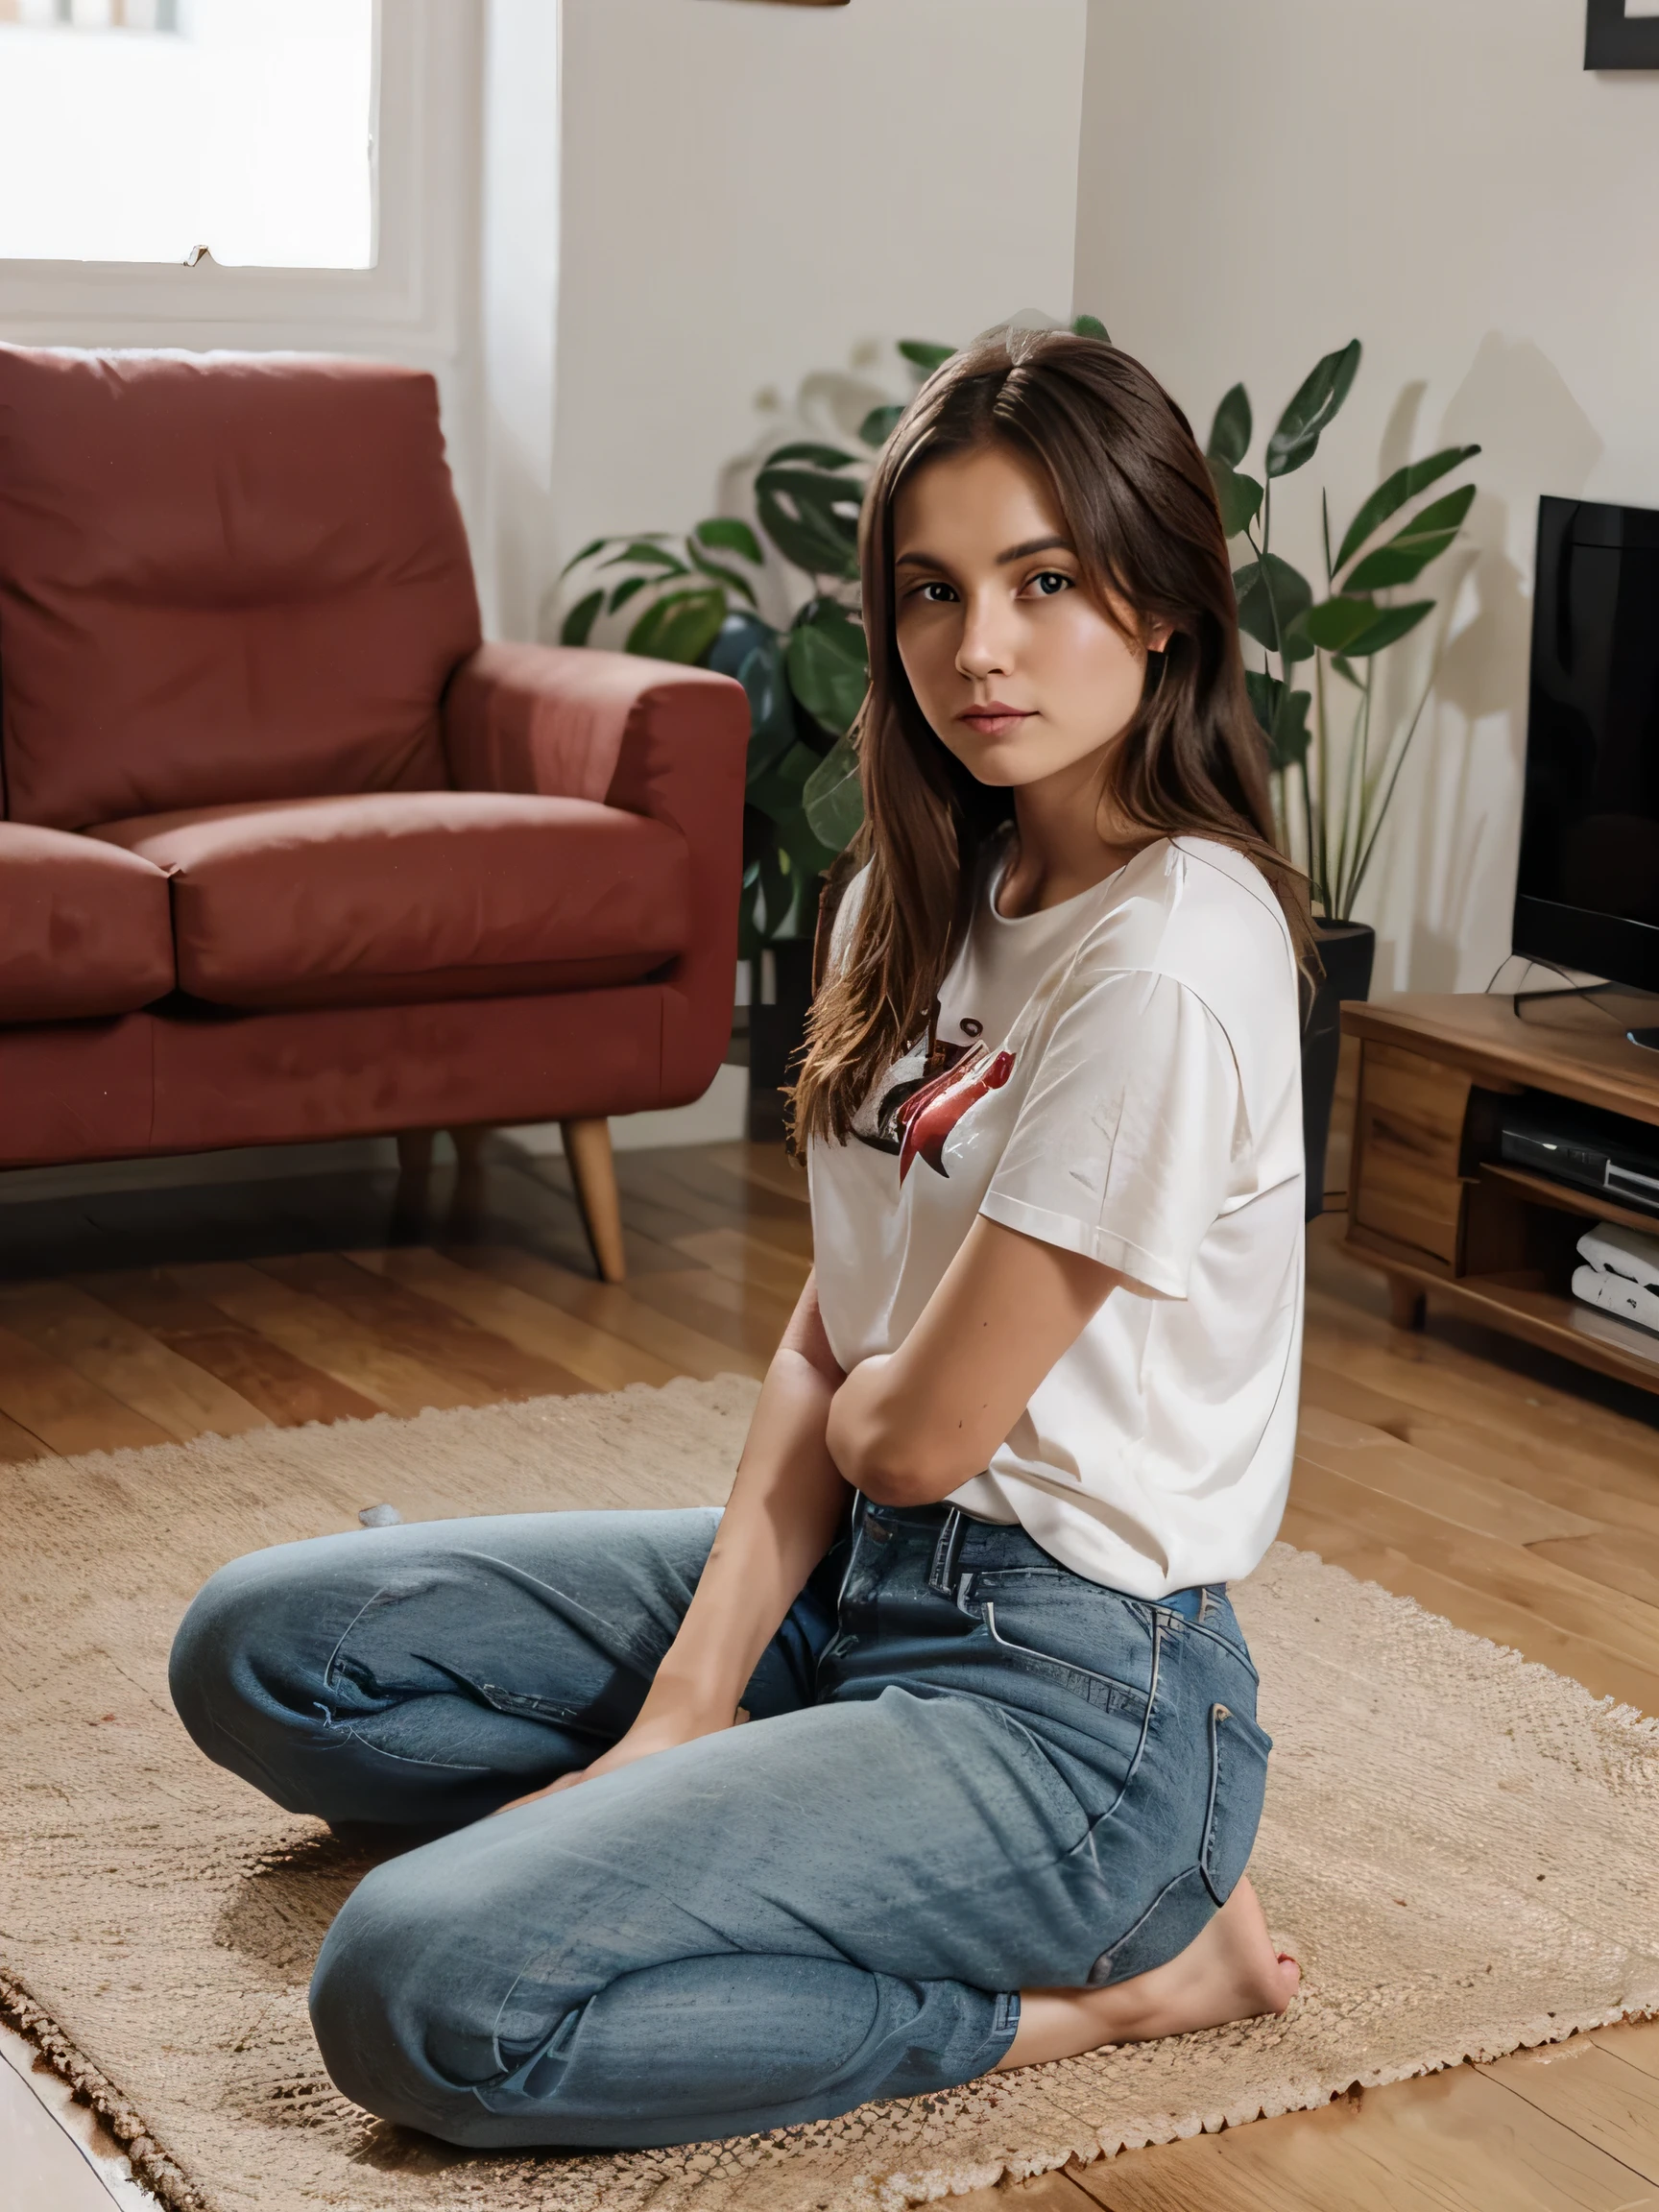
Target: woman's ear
1157 636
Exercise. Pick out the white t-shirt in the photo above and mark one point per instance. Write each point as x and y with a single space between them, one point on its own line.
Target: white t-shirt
1119 1076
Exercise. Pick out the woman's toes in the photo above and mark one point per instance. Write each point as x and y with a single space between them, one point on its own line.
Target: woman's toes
1289 1980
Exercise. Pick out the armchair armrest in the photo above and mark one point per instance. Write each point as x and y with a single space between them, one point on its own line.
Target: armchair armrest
651 738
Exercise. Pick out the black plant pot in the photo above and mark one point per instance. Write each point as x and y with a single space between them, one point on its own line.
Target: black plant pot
777 1034
1348 950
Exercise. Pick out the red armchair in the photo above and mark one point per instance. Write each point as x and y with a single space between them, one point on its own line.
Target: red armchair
286 853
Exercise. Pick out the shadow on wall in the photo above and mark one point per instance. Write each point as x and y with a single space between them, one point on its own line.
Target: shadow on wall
1452 860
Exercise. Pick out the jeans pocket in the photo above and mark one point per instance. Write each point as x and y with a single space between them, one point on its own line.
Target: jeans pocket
1106 1692
1238 1785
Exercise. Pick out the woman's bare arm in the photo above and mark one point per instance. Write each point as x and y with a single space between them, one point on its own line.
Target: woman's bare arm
909 1427
785 1505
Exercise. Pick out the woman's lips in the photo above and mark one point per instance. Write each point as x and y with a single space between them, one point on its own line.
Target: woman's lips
994 720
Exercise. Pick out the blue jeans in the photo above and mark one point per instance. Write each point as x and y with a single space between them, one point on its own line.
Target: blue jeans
967 1770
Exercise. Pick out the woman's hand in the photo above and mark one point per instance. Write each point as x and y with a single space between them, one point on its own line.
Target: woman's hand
658 1731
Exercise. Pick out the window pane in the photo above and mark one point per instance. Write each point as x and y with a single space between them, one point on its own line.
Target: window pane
140 130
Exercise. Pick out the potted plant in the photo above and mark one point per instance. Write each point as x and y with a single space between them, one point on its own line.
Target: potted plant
1334 750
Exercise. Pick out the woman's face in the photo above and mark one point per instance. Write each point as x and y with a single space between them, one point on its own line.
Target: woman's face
1015 664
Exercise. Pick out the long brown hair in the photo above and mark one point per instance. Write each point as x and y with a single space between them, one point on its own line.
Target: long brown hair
1134 492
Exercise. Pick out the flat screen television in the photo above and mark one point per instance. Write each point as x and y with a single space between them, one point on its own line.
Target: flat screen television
1587 896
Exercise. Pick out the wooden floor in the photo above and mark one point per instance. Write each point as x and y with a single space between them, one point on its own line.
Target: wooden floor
1516 1495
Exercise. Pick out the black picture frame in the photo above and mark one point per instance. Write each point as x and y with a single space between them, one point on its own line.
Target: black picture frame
1615 40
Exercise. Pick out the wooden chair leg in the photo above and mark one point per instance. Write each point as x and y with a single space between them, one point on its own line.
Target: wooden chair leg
1407 1306
414 1151
469 1141
594 1172
467 1212
412 1193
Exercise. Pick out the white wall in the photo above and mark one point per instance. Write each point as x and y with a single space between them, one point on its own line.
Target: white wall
518 258
755 193
1442 179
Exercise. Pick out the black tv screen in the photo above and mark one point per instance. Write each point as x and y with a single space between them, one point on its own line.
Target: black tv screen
1587 896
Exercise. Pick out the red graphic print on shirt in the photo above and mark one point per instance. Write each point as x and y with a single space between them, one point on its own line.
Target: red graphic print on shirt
929 1114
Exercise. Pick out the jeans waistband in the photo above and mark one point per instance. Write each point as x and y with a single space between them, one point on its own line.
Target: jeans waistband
947 1526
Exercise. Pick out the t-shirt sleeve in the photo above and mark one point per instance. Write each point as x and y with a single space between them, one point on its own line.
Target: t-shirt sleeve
1129 1140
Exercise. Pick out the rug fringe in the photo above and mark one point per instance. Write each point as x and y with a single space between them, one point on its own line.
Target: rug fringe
151 2166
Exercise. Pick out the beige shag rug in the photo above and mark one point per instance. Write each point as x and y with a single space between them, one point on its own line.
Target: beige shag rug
1459 1845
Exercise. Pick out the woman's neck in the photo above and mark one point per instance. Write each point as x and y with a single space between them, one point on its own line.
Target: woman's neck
1059 850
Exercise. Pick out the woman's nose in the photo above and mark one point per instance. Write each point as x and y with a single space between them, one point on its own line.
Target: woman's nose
986 647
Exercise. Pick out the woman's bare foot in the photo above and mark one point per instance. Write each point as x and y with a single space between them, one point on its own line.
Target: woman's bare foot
1229 1972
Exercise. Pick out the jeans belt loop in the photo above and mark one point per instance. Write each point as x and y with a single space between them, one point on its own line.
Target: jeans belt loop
941 1574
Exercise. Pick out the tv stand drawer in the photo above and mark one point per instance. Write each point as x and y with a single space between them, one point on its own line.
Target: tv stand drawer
1409 1141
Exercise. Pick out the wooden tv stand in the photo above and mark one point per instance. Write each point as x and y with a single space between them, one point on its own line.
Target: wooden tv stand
1431 1203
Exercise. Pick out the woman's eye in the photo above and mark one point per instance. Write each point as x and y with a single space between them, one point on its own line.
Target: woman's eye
1050 581
937 594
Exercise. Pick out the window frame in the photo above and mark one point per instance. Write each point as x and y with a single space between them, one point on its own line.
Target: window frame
424 134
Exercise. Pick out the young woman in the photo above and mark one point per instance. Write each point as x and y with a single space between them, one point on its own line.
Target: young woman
1002 1772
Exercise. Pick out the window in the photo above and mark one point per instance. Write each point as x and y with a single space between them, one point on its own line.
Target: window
148 129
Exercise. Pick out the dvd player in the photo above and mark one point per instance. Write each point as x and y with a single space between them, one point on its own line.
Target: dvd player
1583 1147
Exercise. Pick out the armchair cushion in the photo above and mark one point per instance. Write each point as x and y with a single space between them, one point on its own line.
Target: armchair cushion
223 577
412 895
663 740
84 928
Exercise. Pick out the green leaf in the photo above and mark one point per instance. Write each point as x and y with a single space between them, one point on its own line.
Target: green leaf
819 456
1403 558
777 895
828 671
1230 432
1090 327
804 850
811 517
729 536
1347 671
1288 739
832 798
837 621
1283 717
1312 410
626 589
1338 622
1356 628
1392 623
640 553
740 634
1392 494
1271 596
879 424
723 575
679 626
925 355
1297 644
778 791
771 720
1264 690
1240 495
593 546
578 625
